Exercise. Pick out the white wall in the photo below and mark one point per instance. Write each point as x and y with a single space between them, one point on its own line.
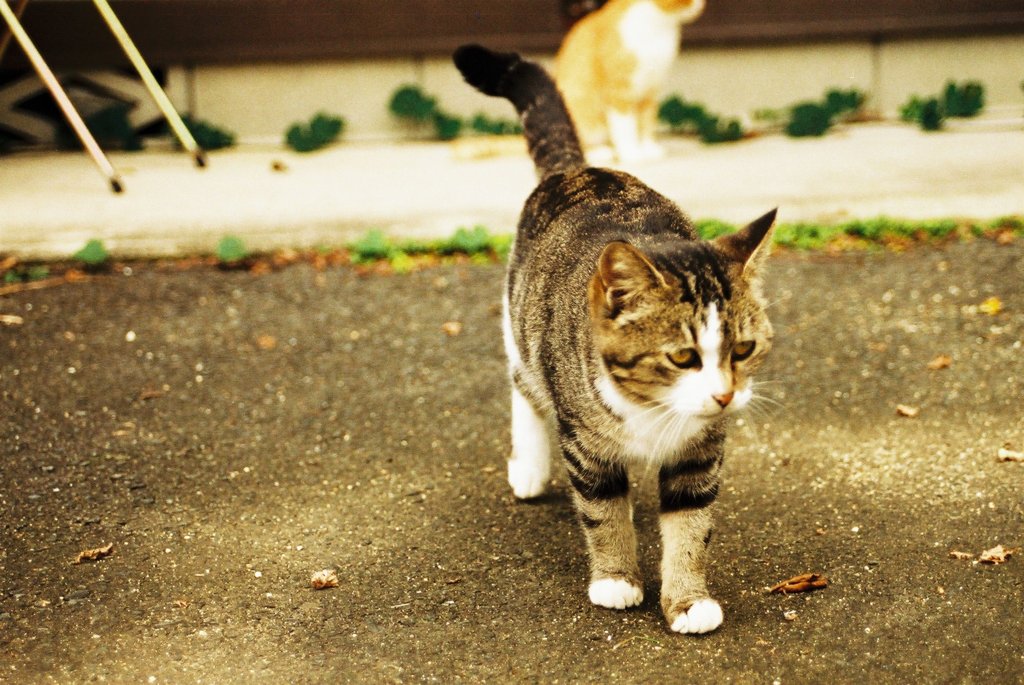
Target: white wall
259 101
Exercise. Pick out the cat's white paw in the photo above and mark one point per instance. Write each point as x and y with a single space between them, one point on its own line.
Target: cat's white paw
527 480
615 593
704 616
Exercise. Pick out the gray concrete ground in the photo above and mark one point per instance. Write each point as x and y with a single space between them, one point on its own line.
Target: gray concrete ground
51 204
231 434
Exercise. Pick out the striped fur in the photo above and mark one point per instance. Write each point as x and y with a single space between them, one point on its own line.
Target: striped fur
630 340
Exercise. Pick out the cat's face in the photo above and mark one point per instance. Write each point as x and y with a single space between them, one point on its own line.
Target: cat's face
683 331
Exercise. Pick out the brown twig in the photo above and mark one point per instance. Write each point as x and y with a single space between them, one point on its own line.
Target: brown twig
40 285
805 582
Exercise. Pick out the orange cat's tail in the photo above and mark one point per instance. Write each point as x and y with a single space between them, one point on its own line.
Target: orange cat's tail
549 130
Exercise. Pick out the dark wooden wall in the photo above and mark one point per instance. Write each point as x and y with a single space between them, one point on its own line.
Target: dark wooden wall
70 33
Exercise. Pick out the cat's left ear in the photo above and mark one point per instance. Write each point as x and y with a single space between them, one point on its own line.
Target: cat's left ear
750 245
623 273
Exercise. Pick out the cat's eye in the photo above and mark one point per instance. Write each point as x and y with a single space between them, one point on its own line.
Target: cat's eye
685 359
742 350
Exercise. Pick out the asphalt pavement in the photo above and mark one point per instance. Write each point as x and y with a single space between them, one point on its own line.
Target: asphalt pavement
230 434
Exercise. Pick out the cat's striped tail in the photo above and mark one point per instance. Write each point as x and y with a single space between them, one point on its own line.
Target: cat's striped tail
549 131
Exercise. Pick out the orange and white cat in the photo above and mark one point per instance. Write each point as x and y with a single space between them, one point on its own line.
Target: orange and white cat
611 66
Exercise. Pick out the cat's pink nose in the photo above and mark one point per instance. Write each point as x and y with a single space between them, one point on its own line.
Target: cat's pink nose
723 400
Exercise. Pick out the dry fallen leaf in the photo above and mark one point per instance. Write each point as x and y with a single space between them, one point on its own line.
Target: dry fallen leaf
324 579
805 582
95 554
452 328
75 276
953 554
996 555
1005 237
943 361
991 306
261 267
907 410
1006 454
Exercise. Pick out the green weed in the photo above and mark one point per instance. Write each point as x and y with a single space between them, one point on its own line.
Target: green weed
446 126
930 113
207 135
371 247
231 250
322 130
411 104
965 100
21 273
816 118
481 123
110 127
808 119
93 255
690 117
468 241
709 229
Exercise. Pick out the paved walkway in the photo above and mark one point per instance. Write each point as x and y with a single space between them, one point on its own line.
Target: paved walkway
231 433
52 203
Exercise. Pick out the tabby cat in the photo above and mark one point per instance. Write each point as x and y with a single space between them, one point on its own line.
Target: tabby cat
632 338
610 69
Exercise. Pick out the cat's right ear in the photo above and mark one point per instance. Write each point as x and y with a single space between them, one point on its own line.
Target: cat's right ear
623 273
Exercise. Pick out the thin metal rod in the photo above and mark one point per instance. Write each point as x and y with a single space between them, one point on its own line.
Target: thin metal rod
63 101
5 40
158 94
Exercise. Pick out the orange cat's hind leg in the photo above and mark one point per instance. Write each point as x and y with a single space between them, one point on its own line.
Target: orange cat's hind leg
594 134
647 119
632 134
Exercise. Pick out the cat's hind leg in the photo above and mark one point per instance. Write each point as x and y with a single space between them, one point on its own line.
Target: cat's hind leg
631 140
624 131
529 468
647 118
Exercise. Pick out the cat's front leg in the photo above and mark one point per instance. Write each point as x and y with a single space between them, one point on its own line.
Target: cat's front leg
687 490
601 494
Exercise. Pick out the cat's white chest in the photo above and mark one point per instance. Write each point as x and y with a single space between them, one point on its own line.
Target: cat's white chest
652 36
648 434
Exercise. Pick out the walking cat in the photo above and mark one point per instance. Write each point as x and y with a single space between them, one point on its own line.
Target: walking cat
610 69
631 337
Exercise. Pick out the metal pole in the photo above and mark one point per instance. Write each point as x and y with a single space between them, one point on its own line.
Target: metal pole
159 96
6 39
63 101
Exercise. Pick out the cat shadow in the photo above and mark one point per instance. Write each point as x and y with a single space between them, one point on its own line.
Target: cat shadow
551 497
